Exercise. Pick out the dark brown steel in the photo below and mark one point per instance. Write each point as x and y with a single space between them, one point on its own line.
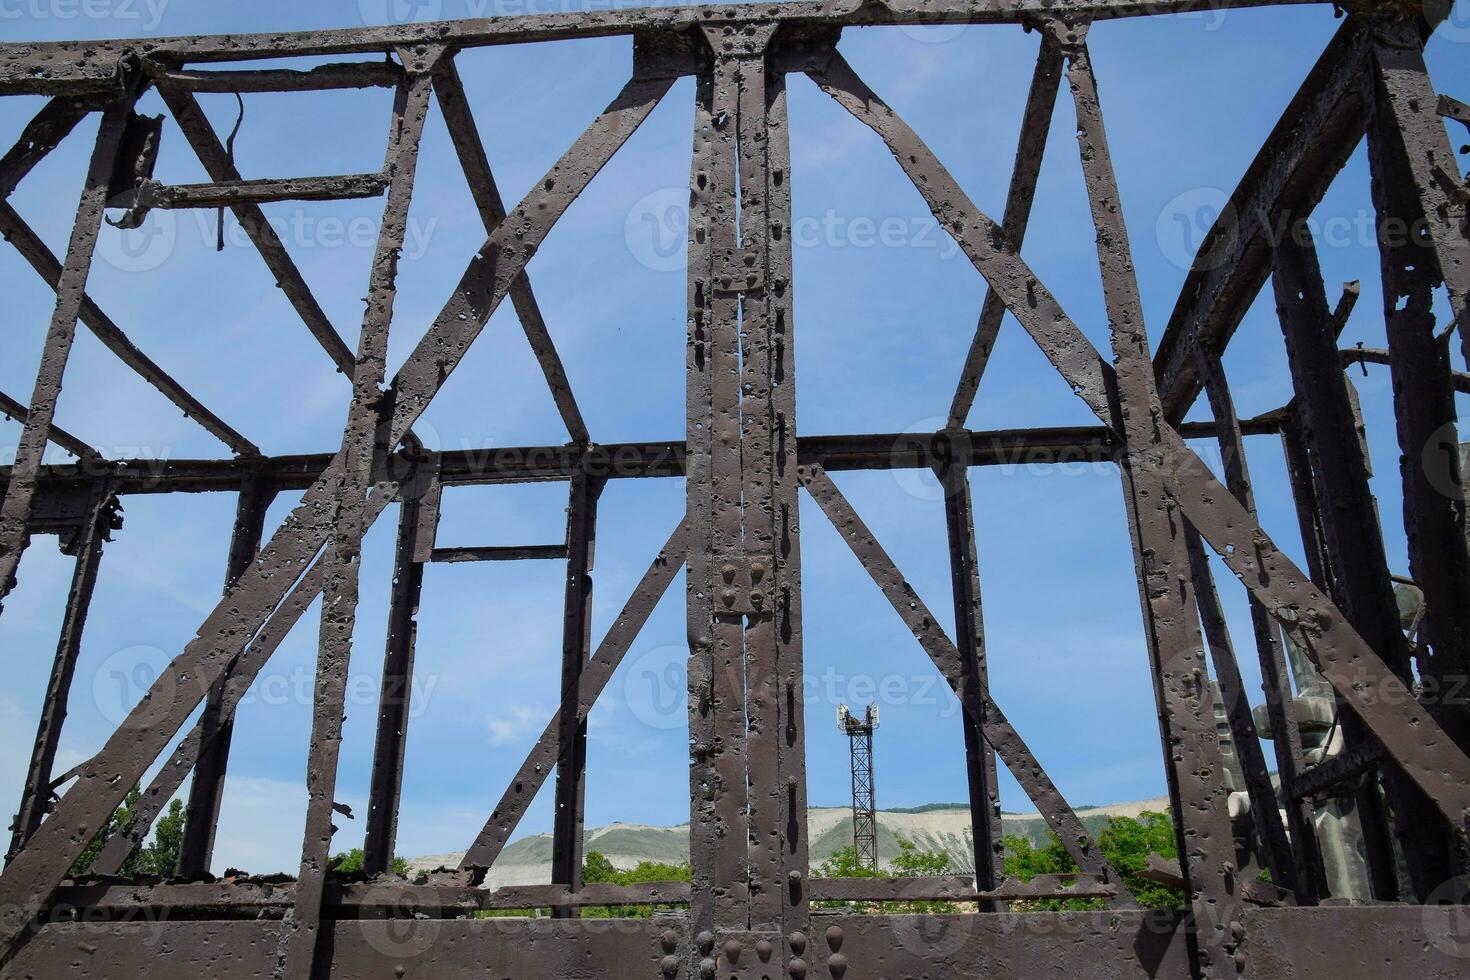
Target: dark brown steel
576 649
746 914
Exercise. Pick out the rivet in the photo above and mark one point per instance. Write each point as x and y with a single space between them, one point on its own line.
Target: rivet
669 966
705 941
797 941
837 965
707 968
764 949
834 938
669 940
732 950
797 968
795 876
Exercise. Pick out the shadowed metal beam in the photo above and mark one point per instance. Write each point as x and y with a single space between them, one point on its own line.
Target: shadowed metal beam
47 128
471 150
1035 126
1378 355
35 252
366 74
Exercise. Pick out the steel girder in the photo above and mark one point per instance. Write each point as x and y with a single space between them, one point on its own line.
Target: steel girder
749 911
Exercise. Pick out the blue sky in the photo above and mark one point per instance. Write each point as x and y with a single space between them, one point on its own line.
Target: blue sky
882 324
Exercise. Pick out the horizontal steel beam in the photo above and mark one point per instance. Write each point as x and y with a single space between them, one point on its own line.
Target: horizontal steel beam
224 194
49 67
1378 355
366 74
538 464
1302 943
499 552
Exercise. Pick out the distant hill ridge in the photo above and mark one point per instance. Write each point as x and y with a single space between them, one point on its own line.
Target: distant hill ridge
941 827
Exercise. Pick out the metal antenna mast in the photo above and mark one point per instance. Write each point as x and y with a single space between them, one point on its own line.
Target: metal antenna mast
864 809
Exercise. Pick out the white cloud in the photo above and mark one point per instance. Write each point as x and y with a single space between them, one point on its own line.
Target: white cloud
519 721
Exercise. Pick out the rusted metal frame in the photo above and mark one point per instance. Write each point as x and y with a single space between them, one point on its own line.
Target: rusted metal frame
1404 118
15 230
242 674
1306 944
1190 739
499 552
385 785
1302 857
1348 663
1460 380
545 754
702 352
779 637
1304 498
545 464
212 154
1035 127
21 489
719 829
47 67
1317 132
472 160
57 118
1414 256
1452 108
15 410
350 75
266 190
29 880
576 650
206 791
362 444
36 794
980 771
1363 589
980 708
1270 831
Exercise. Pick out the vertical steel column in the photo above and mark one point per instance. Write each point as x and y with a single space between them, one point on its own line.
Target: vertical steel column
747 771
1305 859
1349 515
1186 711
1405 112
365 439
1424 409
15 512
87 546
576 649
396 693
1304 498
969 624
206 792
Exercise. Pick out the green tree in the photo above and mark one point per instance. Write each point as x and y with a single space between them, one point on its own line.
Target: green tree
909 862
161 857
596 868
1125 842
350 862
83 864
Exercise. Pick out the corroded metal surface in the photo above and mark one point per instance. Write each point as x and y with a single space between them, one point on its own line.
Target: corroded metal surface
748 911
